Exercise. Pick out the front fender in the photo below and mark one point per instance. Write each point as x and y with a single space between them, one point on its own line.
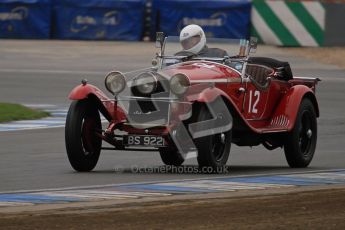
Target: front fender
290 103
83 91
210 94
105 105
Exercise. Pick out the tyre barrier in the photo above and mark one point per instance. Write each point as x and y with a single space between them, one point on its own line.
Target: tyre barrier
99 19
221 18
72 19
129 19
27 19
283 23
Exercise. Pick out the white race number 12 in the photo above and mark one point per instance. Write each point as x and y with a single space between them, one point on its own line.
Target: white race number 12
252 107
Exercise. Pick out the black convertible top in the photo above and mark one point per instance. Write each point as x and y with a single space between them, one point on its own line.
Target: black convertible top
286 73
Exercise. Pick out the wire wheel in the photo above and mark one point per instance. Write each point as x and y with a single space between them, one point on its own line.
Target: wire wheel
83 144
301 141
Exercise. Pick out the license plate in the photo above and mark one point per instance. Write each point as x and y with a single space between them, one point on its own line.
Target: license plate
142 140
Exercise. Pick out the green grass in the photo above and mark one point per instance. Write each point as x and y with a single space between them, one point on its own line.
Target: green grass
15 112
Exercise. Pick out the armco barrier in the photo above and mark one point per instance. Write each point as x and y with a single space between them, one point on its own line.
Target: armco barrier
99 19
289 23
28 19
219 18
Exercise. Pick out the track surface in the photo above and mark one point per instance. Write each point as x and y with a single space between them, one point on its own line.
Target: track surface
43 72
304 210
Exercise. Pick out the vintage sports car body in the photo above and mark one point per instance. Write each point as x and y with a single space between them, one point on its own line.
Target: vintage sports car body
187 105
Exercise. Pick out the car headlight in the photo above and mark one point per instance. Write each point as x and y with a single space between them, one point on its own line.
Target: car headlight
179 83
115 82
145 83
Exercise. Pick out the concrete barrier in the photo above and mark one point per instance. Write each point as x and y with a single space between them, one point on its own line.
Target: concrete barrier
289 23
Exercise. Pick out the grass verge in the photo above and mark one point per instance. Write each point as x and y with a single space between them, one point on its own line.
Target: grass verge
14 112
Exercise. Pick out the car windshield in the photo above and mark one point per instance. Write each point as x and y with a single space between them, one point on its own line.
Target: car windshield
217 49
173 47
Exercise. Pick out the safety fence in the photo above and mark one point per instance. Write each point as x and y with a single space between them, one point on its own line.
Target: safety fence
275 22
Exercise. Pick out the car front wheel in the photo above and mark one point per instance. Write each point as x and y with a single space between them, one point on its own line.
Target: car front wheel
213 149
83 145
301 141
171 156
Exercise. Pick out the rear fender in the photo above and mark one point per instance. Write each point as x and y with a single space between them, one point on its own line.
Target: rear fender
290 103
288 106
106 107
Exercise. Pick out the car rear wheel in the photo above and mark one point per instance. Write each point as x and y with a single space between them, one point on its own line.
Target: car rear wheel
301 141
83 145
214 149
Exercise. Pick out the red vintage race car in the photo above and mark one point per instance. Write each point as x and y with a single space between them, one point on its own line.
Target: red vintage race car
186 106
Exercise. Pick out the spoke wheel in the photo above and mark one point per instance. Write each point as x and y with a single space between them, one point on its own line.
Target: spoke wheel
171 156
301 141
83 144
213 150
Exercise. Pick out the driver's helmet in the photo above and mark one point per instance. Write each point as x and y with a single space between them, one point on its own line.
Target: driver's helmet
192 38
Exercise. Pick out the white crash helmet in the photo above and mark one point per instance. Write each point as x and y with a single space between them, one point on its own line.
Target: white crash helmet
192 38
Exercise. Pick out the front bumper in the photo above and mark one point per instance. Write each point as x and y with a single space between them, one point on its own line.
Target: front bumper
160 122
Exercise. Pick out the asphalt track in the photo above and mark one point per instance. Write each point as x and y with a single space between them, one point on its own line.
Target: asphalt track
43 72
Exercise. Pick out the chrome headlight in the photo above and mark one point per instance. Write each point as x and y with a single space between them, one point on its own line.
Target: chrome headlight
115 82
145 83
179 83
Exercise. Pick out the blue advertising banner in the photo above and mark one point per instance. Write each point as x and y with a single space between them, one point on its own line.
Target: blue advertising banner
28 19
99 19
218 18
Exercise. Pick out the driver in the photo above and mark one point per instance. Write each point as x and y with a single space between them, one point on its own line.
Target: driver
193 41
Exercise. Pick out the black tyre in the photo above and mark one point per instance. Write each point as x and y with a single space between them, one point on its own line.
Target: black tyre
83 145
171 156
213 150
300 144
